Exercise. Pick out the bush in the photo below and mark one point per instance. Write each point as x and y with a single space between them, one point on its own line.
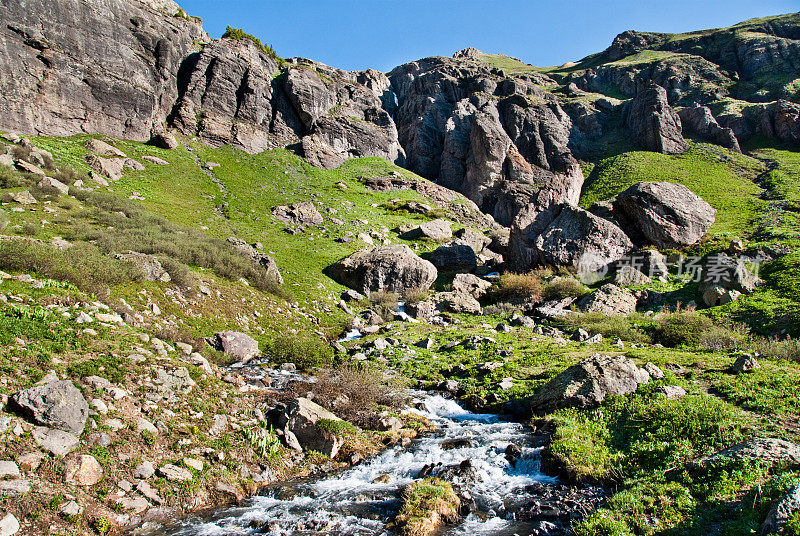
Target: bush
519 288
304 350
385 304
787 349
563 287
633 328
683 328
83 265
727 337
426 505
356 391
238 33
11 178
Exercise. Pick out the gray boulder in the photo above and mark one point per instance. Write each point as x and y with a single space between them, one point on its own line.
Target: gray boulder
724 278
303 213
609 299
437 230
470 284
588 383
454 302
782 510
393 267
57 404
473 239
581 239
664 214
745 363
628 276
237 345
653 122
454 257
304 431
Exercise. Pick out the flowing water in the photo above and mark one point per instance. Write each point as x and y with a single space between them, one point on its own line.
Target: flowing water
364 499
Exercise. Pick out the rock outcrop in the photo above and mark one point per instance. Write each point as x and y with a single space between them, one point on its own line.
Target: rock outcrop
653 122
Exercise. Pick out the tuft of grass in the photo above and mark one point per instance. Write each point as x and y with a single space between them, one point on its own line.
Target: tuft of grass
427 504
238 33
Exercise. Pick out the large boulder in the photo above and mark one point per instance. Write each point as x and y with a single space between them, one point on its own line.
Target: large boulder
725 278
454 302
470 284
239 346
581 239
653 122
393 267
609 299
454 257
437 230
664 214
56 404
304 427
589 382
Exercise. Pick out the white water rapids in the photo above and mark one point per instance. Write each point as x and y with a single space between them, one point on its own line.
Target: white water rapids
362 501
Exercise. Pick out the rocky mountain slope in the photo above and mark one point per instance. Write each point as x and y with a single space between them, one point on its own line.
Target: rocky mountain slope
219 268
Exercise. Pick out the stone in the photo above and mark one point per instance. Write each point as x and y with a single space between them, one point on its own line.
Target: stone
393 267
725 278
70 509
51 185
144 470
155 160
14 488
303 214
58 404
227 488
301 417
109 318
143 425
8 470
265 261
426 343
470 284
389 424
23 198
83 470
627 276
587 383
193 463
436 230
135 505
454 302
30 462
9 525
220 425
351 295
56 442
781 511
454 257
580 239
609 299
164 140
102 148
745 363
654 124
174 473
672 392
771 450
237 345
654 372
149 266
664 214
477 241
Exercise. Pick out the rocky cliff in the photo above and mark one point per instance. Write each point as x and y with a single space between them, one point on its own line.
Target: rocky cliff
507 135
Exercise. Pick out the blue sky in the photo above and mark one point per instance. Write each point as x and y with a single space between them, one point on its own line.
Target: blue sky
381 34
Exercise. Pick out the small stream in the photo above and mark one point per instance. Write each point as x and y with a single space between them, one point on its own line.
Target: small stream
364 499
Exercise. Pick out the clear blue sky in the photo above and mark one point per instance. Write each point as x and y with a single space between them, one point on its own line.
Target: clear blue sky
381 34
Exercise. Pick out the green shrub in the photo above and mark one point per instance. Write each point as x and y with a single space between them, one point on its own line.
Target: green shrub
518 288
238 33
563 287
683 328
304 350
633 328
83 264
11 178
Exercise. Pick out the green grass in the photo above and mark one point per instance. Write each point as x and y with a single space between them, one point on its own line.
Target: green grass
722 178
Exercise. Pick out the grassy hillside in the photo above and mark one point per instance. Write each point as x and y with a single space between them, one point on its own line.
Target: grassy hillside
722 178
